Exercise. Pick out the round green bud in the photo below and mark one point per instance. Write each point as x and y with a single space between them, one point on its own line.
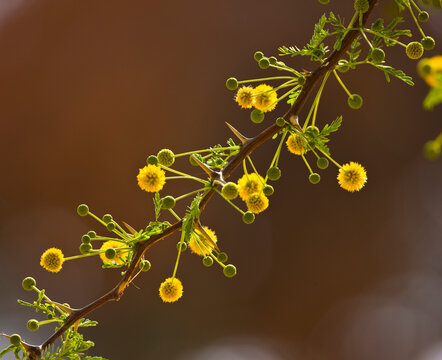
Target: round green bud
192 161
423 16
107 218
318 54
301 80
268 190
152 160
324 2
313 130
28 283
314 178
166 157
377 55
168 202
110 226
85 248
362 5
32 325
82 210
424 68
414 50
257 116
264 63
230 271
15 339
428 43
182 245
110 253
85 239
222 257
258 55
378 25
343 66
432 150
280 122
49 316
274 173
144 265
355 101
322 163
248 217
207 261
232 83
92 234
272 60
230 190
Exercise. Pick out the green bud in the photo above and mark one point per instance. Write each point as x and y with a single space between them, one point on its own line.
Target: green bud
377 55
183 246
414 50
82 210
166 157
268 190
343 66
85 239
85 248
355 101
257 116
110 253
49 316
423 16
322 163
168 202
232 83
152 160
15 339
107 218
272 60
274 173
222 257
312 130
230 271
110 226
258 55
92 234
314 178
318 54
230 190
264 63
301 80
324 2
248 217
32 325
207 261
280 122
428 43
28 283
144 265
192 161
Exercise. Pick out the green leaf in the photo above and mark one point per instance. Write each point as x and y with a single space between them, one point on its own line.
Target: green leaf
334 126
388 70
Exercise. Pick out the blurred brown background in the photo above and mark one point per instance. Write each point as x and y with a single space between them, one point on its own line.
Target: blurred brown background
89 89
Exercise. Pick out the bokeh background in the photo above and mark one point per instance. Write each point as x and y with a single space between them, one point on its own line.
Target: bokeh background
89 89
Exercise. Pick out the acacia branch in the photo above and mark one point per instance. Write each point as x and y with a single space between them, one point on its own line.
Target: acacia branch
35 352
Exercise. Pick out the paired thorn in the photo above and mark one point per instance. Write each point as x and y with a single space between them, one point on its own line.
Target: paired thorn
240 136
33 352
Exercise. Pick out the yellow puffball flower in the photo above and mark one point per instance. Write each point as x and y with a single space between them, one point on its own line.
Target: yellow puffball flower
52 260
249 184
295 143
244 97
257 203
264 96
429 69
151 178
120 256
197 238
171 290
352 176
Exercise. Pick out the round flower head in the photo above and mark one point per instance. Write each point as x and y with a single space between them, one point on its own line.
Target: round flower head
430 69
120 256
244 97
199 244
166 157
296 144
52 260
414 50
230 190
257 203
151 178
171 290
352 176
264 98
249 184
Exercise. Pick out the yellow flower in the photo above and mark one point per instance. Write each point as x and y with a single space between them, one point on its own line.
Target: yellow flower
249 184
257 203
295 144
244 97
197 238
265 98
151 178
52 260
352 176
120 256
429 69
171 290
